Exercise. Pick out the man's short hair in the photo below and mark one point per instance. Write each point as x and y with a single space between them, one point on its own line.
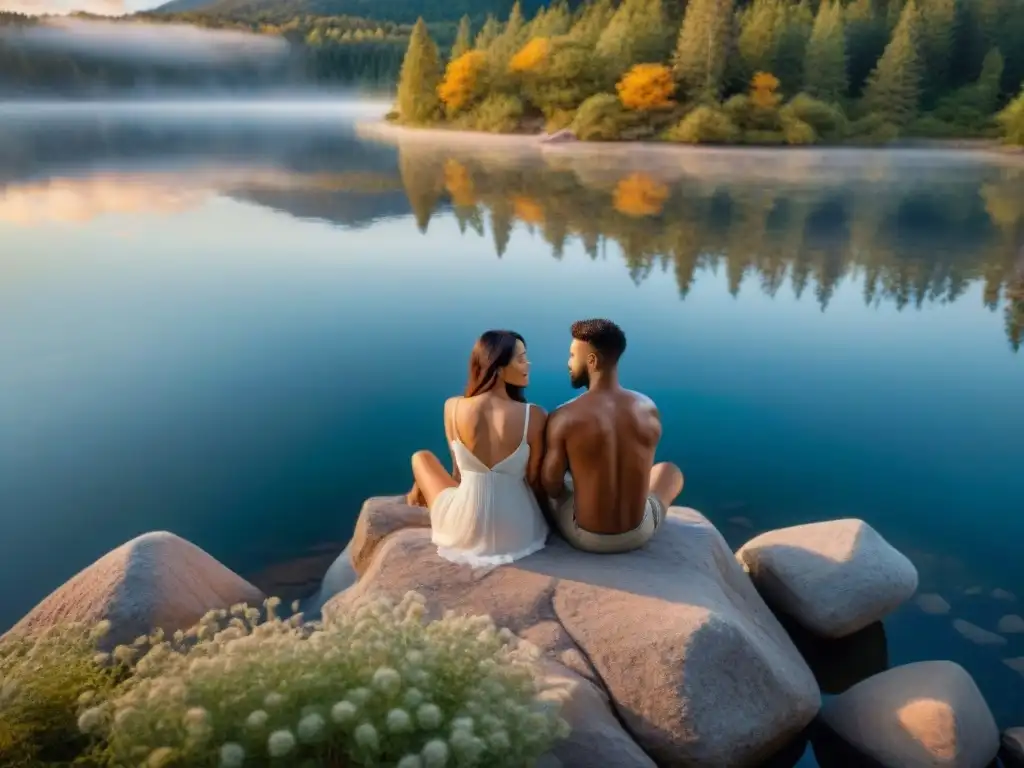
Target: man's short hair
604 336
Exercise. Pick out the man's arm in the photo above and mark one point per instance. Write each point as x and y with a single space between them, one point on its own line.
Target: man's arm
556 461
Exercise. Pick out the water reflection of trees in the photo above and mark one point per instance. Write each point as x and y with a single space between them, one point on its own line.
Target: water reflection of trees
909 234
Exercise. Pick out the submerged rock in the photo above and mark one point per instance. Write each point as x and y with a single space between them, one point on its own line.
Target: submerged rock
976 634
697 667
559 137
1012 748
925 714
155 580
1011 625
933 604
834 577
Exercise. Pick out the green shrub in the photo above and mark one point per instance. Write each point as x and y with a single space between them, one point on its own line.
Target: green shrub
874 129
827 120
497 113
1011 120
372 688
761 138
931 127
41 682
797 132
601 118
705 125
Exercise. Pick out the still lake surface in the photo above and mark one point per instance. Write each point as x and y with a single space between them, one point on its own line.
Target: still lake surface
236 322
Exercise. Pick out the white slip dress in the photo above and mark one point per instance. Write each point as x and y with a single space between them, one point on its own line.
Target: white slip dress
491 517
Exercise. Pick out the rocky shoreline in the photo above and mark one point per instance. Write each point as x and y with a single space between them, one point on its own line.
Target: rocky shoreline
683 653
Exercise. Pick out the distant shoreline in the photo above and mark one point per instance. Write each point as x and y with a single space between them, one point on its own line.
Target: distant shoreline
653 150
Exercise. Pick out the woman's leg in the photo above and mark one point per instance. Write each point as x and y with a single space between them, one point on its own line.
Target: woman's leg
429 477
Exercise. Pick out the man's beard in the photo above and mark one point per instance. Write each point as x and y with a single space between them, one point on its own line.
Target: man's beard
581 380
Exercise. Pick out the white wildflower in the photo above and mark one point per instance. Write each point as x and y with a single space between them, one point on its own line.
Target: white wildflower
310 728
410 761
90 720
387 681
256 720
435 754
499 741
196 718
413 698
273 699
466 746
358 696
366 737
429 716
280 743
399 721
344 712
232 755
462 724
160 757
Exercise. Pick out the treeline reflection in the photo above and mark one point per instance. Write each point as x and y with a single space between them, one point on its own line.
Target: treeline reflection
911 232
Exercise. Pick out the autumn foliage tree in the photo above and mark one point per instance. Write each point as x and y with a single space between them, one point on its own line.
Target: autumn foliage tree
531 56
462 80
646 87
418 101
764 88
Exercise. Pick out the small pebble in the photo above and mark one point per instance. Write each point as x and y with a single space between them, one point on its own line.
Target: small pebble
1002 594
742 522
973 591
931 603
1011 624
976 634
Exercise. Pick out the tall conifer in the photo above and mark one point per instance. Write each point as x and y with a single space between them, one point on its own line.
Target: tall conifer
418 101
893 90
825 70
705 43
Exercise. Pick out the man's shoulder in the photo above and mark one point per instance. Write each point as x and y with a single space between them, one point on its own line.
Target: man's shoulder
640 398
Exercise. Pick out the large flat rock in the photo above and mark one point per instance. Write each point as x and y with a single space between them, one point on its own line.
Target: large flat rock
834 577
697 667
380 517
155 580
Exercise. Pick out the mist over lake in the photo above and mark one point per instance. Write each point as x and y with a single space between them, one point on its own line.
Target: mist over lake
236 320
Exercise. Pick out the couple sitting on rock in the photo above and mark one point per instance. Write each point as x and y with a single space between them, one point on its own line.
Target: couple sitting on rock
588 468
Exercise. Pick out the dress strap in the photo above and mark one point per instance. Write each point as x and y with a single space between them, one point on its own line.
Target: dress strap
526 423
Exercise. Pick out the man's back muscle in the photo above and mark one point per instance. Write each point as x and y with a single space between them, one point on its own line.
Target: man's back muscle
610 443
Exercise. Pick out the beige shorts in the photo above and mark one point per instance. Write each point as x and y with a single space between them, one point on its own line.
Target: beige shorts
564 513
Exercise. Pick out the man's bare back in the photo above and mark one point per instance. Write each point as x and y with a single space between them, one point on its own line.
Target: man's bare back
604 442
609 441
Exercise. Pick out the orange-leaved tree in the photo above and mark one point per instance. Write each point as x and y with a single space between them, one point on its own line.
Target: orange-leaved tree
647 86
531 56
640 195
764 88
461 80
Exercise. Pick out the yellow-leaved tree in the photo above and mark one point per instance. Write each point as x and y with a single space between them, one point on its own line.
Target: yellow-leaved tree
461 80
531 56
764 88
640 195
647 86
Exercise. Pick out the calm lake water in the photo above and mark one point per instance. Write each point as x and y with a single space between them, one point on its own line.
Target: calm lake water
237 322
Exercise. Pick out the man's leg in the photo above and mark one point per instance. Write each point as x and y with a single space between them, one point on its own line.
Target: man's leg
666 483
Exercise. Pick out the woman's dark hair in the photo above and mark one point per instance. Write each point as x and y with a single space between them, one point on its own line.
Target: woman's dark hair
493 350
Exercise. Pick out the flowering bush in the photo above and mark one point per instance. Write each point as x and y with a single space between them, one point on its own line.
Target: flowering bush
41 680
377 687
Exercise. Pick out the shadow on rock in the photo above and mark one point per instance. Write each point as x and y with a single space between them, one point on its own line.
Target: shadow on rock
790 755
830 751
841 663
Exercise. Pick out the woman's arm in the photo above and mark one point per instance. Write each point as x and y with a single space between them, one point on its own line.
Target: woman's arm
535 438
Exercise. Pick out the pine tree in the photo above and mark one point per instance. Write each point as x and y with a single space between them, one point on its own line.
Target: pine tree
825 69
636 34
509 41
552 21
463 41
797 23
760 27
418 101
893 90
938 33
591 21
866 36
488 33
705 42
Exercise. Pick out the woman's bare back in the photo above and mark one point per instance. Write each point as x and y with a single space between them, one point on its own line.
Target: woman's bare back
490 427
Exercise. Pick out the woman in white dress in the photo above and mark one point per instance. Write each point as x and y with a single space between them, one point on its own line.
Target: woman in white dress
487 511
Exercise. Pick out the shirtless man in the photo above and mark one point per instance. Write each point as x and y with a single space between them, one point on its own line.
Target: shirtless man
616 497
